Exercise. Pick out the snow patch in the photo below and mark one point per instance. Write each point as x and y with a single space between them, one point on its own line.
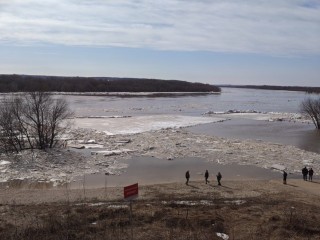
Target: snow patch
3 162
236 202
223 236
118 206
189 203
96 204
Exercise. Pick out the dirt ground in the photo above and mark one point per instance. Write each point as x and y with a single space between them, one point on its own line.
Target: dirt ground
246 209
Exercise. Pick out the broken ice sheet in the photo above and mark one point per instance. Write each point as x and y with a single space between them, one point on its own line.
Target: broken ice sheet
138 124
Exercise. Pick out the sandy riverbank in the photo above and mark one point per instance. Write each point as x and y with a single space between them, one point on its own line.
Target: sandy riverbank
236 210
232 189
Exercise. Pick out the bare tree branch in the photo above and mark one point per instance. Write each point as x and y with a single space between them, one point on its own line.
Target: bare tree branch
33 121
310 108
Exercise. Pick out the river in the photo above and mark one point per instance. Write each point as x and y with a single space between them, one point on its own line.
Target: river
152 109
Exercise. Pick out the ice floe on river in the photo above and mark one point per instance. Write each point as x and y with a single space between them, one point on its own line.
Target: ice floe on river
107 141
261 116
138 124
113 125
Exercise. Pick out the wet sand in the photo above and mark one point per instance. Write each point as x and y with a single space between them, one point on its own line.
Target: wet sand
150 170
234 189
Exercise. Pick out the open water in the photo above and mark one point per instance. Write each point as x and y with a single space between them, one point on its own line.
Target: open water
304 136
230 98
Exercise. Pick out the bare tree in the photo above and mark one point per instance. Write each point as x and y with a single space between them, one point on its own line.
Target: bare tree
36 111
33 121
10 139
17 109
310 107
58 112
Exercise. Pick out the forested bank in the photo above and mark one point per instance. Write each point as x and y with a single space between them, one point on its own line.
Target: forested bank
272 87
28 83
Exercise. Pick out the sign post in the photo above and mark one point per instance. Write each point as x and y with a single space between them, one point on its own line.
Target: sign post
131 192
105 185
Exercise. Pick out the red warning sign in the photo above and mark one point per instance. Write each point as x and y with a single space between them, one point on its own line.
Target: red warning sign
131 190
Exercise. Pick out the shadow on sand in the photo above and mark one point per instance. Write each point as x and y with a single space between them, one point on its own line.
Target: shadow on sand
291 185
189 185
224 186
316 182
218 186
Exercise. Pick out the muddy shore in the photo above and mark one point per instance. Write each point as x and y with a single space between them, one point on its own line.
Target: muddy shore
240 189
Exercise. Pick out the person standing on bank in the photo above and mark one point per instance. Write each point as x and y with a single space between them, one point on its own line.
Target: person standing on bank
187 177
310 174
285 177
219 176
206 176
305 173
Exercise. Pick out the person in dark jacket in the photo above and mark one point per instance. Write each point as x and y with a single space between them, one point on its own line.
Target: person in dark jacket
305 173
206 176
219 176
187 177
310 174
285 177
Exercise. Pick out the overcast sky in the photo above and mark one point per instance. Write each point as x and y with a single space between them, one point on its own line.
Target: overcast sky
210 41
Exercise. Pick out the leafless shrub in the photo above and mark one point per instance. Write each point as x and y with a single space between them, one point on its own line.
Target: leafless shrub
310 107
35 120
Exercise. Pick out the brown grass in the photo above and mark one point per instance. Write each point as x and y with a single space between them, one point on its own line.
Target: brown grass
243 210
261 217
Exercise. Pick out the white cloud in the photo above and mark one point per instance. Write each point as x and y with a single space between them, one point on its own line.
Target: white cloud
259 26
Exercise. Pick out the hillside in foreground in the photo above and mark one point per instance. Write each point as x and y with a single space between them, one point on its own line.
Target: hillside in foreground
27 83
242 209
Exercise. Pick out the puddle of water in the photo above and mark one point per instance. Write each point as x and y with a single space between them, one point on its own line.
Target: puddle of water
148 170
